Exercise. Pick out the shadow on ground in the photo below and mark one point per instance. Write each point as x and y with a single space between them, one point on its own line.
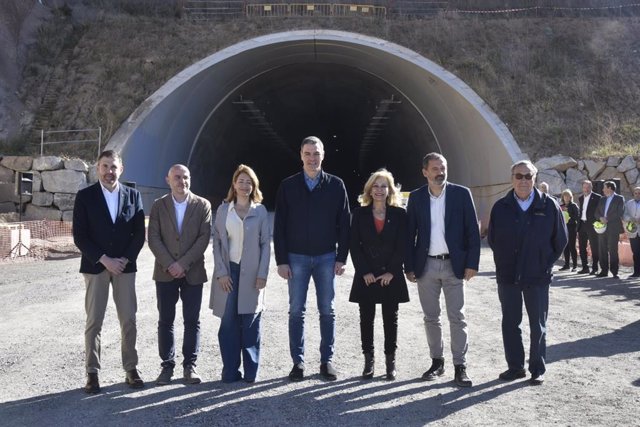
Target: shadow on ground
275 402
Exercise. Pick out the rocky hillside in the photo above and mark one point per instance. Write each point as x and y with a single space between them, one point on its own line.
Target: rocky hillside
565 85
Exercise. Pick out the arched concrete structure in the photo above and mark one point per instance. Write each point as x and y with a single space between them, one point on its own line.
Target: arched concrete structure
178 123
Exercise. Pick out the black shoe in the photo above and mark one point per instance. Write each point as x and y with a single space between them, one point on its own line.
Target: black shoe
536 380
390 361
602 274
436 370
93 385
593 272
564 267
584 271
461 379
615 276
297 372
328 371
367 372
512 374
133 379
634 275
574 268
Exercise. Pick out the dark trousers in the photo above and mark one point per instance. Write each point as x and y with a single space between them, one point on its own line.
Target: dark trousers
591 237
570 250
635 249
536 301
390 325
168 294
608 242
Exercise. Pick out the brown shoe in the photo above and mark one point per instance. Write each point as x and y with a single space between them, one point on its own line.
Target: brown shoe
93 385
133 379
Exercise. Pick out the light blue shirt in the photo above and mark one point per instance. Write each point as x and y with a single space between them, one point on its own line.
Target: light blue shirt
524 204
311 182
606 205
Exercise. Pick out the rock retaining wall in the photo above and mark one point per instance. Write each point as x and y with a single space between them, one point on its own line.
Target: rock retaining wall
55 182
562 172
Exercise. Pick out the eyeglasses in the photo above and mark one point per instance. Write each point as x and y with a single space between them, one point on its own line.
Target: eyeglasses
520 176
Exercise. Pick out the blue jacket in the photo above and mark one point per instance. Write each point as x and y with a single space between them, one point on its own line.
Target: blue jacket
95 234
524 253
311 222
461 230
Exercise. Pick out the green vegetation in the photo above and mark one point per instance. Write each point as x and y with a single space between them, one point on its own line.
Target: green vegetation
562 85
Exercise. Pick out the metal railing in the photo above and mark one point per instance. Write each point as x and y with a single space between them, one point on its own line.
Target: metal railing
45 133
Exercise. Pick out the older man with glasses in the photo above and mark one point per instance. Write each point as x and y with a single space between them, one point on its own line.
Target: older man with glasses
527 234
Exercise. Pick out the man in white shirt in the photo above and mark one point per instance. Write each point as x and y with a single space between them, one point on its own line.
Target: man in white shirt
609 211
179 233
108 228
443 252
587 203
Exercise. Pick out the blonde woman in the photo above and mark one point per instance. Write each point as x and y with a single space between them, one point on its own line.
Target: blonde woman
378 236
571 213
241 237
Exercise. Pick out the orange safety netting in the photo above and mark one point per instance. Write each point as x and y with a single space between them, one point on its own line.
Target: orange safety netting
36 240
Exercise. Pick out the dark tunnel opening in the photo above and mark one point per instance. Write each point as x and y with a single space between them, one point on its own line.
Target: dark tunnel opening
364 123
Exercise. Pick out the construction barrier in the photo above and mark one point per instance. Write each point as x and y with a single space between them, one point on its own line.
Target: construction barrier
35 240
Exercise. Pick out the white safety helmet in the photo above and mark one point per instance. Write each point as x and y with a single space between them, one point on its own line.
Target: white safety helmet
631 229
600 227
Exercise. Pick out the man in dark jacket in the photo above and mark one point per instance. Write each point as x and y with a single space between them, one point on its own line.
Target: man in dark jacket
108 228
587 204
311 239
527 234
443 252
609 211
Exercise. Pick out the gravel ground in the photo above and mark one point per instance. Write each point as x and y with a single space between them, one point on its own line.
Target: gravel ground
593 375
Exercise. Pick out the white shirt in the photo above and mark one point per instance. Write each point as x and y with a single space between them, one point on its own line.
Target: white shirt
524 204
585 203
235 233
181 208
438 244
112 198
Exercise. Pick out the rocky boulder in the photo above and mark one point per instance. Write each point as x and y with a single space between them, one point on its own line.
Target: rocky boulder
38 212
42 199
594 167
63 181
554 179
574 180
64 201
48 163
626 164
559 163
7 175
76 165
17 163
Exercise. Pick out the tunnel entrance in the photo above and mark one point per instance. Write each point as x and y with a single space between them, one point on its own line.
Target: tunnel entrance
364 123
373 103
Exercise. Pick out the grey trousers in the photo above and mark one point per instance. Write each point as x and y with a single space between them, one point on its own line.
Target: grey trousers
438 276
96 298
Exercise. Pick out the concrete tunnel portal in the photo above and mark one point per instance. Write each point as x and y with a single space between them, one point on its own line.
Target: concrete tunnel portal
373 103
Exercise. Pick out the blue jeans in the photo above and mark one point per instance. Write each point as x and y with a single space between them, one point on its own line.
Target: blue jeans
191 296
239 334
322 269
536 300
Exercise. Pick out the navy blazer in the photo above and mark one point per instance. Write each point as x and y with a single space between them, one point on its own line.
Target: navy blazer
95 234
462 233
614 214
591 209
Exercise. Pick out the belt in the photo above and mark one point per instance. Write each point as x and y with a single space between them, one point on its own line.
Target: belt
442 256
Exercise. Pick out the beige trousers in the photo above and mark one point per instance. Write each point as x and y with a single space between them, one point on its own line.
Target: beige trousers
96 298
438 276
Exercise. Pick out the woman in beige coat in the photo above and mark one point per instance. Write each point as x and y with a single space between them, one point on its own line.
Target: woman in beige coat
241 251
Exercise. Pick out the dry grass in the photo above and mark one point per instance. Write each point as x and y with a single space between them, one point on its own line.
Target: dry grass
562 85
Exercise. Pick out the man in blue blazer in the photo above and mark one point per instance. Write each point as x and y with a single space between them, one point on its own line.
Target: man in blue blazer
443 253
108 228
610 211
